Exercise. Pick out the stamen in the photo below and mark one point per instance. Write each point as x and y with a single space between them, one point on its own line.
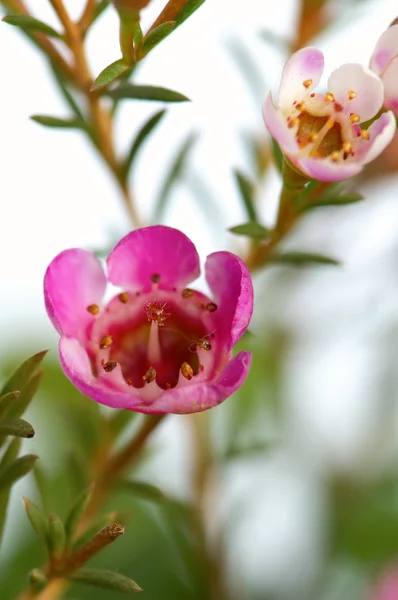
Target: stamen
293 123
187 293
187 371
211 306
365 135
347 147
124 297
105 342
155 278
109 366
312 137
351 95
338 107
335 156
201 367
300 106
93 309
204 344
307 83
329 97
150 375
354 118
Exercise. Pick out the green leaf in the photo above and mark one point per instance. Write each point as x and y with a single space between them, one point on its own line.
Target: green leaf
37 519
7 401
278 155
143 133
157 35
146 92
23 373
17 469
76 512
246 189
108 580
176 169
58 123
9 456
17 428
190 7
144 490
302 259
110 74
28 23
21 403
253 230
335 200
56 535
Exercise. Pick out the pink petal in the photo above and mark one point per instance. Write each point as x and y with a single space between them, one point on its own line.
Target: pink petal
390 82
232 288
361 80
276 124
387 588
76 366
150 251
205 395
305 64
326 170
381 133
386 48
73 281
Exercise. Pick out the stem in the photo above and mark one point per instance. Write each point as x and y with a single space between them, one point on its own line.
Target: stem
212 556
293 184
112 468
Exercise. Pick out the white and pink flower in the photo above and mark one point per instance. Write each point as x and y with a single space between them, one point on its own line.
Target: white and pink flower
321 134
384 63
158 346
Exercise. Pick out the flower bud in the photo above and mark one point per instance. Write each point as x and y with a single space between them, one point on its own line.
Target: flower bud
125 7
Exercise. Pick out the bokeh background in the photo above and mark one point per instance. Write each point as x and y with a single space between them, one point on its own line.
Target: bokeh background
301 497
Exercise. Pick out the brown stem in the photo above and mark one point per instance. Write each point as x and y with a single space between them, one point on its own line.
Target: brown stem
87 16
211 552
107 478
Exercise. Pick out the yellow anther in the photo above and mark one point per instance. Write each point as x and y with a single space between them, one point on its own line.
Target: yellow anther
312 137
293 123
307 83
354 118
187 371
211 306
365 135
300 106
109 366
105 342
351 95
187 293
335 156
150 375
347 147
329 97
93 309
124 297
204 344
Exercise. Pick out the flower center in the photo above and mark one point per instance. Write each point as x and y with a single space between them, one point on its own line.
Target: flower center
324 128
157 337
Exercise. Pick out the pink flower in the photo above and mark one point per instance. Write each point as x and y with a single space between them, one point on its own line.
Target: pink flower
387 586
320 133
158 346
384 62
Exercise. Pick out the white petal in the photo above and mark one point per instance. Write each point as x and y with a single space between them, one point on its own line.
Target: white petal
304 65
385 50
366 85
